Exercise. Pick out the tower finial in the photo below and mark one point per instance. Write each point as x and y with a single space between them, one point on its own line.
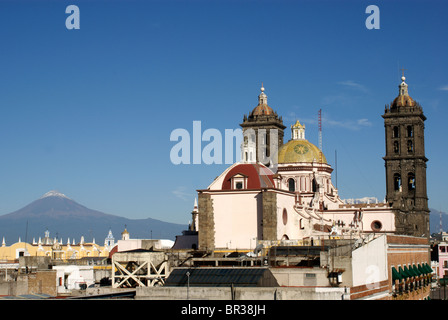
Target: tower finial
402 72
262 98
403 87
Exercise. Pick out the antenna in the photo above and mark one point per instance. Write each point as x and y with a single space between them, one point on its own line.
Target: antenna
320 135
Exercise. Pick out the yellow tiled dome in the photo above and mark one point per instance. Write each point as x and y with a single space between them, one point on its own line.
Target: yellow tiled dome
299 151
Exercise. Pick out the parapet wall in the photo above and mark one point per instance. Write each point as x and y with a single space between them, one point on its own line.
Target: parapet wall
240 293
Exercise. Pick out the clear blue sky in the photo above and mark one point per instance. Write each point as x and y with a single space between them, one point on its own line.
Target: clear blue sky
89 112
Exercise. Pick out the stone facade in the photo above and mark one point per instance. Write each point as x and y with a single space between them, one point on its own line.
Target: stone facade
206 237
405 164
269 204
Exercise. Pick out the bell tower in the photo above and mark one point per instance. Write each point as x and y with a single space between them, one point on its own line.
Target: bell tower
405 164
263 133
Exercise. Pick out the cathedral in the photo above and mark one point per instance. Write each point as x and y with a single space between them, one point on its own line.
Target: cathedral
283 191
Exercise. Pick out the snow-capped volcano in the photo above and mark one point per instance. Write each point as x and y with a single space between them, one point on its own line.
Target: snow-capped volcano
67 218
54 193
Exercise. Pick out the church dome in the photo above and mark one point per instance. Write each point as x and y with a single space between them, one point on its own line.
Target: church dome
403 99
299 151
262 110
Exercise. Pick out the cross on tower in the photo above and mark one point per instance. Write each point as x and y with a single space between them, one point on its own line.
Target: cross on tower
402 71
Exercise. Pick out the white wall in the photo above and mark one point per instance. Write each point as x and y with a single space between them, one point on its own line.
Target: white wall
369 262
237 218
291 229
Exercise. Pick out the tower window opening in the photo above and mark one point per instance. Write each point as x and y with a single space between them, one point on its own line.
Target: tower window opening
396 147
411 181
397 182
410 146
396 132
291 185
410 130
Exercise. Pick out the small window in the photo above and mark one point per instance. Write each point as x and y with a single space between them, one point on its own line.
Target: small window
291 185
396 132
411 181
397 182
285 217
239 185
396 147
410 131
376 225
410 146
310 275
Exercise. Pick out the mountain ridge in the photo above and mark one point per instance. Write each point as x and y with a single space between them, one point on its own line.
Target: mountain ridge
67 219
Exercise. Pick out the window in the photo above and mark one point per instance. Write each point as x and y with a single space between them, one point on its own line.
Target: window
396 147
291 185
239 181
396 133
285 216
376 225
411 181
397 182
410 131
410 146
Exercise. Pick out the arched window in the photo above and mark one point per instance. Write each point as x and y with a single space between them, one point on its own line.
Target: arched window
396 147
285 237
397 182
410 131
411 181
291 185
410 146
396 132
